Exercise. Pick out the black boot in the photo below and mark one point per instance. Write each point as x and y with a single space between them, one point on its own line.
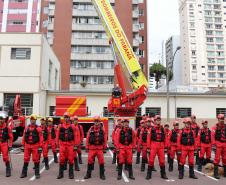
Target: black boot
114 158
197 159
71 171
55 158
102 176
24 171
130 168
65 164
76 164
224 171
142 165
89 171
138 158
192 173
181 171
200 164
80 158
170 165
119 172
216 175
163 172
61 172
37 172
8 170
149 172
46 163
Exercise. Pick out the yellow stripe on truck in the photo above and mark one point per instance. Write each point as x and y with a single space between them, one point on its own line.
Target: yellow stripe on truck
76 104
121 44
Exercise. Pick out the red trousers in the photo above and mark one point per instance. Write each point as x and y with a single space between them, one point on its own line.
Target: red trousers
173 152
45 149
66 152
157 148
205 149
220 152
46 145
4 151
187 152
144 151
31 150
96 153
125 155
138 148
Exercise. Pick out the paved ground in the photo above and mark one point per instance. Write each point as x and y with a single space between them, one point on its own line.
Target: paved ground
49 177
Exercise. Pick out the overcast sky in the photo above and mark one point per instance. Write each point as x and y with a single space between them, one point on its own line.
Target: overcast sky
163 22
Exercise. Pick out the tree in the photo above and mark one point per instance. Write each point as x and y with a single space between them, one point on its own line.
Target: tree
158 71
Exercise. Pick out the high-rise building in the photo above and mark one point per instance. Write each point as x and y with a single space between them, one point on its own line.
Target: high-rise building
174 59
79 40
20 15
203 42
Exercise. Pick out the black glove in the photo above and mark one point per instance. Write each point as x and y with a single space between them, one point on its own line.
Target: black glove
141 146
148 150
57 150
166 150
87 150
105 151
133 150
179 152
117 151
10 148
214 148
75 148
39 150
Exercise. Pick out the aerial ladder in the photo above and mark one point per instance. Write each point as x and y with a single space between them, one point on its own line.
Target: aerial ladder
122 104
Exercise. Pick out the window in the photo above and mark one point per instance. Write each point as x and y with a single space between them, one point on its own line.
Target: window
152 111
52 110
141 26
141 12
183 112
21 53
50 73
139 111
26 102
220 68
141 53
194 67
220 111
211 68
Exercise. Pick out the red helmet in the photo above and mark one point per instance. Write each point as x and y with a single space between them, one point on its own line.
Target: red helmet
204 122
157 117
220 116
175 123
125 120
67 114
193 116
96 118
187 120
142 121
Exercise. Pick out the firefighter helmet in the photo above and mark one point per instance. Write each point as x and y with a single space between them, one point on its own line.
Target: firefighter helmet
50 119
33 116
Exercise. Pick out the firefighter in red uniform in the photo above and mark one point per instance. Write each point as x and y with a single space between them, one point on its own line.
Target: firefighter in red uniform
32 141
156 143
186 146
96 144
195 127
6 141
75 122
117 127
204 144
68 139
173 148
52 130
142 143
125 143
137 139
219 142
45 142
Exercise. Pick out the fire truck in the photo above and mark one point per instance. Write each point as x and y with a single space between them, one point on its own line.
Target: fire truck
15 118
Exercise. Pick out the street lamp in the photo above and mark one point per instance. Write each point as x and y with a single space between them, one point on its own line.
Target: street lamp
167 82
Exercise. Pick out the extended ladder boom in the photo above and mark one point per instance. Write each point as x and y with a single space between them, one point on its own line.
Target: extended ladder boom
127 58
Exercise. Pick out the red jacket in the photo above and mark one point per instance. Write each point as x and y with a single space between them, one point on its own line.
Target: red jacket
170 137
10 134
143 134
219 131
186 131
40 135
159 130
76 134
207 139
49 128
93 135
119 144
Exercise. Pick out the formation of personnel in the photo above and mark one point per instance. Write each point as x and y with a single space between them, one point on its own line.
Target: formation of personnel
150 140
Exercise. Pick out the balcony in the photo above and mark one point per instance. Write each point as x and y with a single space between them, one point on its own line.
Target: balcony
91 72
93 42
135 28
91 56
50 26
136 2
84 13
135 14
87 27
136 43
51 12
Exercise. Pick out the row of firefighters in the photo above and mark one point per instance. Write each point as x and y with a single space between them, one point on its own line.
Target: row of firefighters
149 140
